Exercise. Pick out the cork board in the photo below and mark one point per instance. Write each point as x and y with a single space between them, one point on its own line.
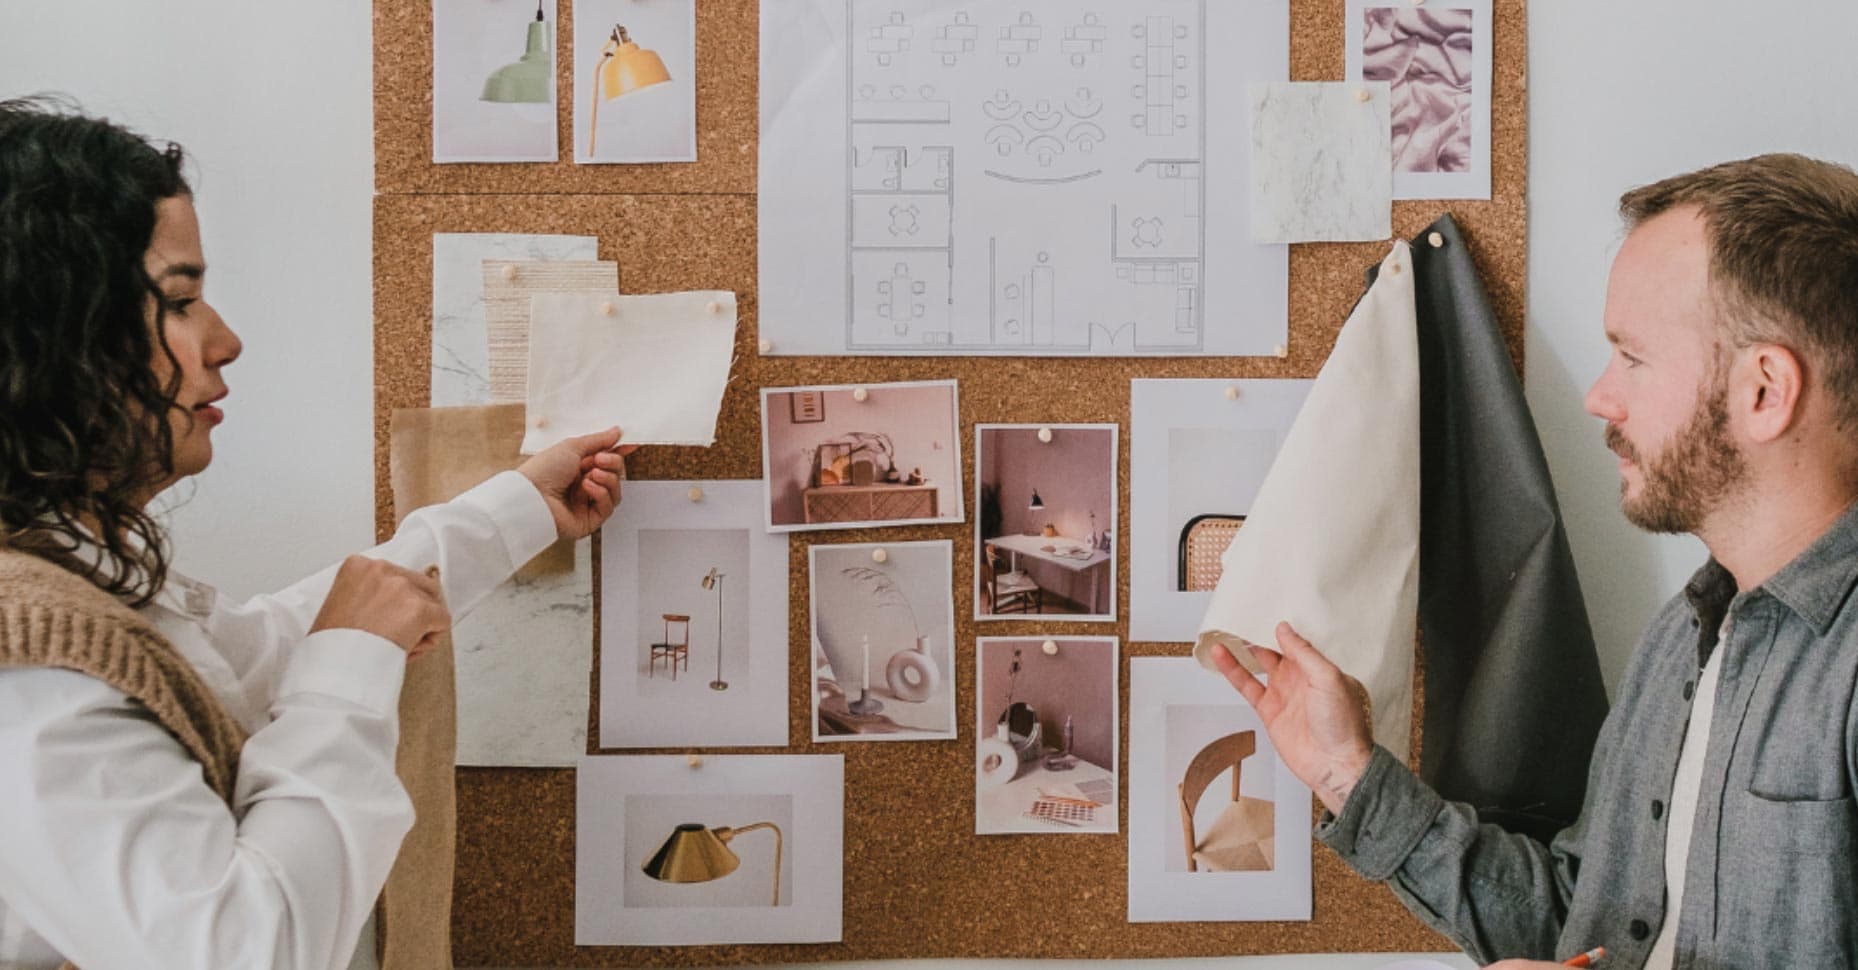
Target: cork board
929 888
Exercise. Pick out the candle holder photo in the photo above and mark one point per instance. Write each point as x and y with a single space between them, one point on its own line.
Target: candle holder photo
883 625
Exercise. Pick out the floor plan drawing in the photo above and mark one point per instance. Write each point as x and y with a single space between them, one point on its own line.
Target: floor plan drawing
1038 178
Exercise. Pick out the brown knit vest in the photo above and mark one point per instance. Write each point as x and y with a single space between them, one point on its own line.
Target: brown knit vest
51 617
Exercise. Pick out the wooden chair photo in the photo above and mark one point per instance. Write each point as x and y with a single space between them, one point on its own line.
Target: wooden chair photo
1242 838
1008 592
672 651
1203 541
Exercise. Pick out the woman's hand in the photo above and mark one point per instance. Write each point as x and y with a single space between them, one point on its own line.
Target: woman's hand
389 601
1314 713
579 479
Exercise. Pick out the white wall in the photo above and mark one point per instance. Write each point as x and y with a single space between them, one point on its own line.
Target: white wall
1622 94
274 103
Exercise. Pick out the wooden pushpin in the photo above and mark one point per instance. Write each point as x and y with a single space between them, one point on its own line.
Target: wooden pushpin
715 306
879 555
509 272
1232 392
695 494
1437 241
1050 647
1045 435
607 309
860 395
1394 269
694 760
1364 95
541 422
1281 351
765 346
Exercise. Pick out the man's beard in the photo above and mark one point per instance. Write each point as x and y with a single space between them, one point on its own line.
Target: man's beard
1689 477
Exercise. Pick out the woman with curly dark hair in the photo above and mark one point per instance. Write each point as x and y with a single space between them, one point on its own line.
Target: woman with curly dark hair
187 782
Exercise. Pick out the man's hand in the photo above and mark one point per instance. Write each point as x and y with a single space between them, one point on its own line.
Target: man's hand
388 601
1314 713
579 479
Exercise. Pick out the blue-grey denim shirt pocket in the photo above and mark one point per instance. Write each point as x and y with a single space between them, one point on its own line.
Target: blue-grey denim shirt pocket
1788 873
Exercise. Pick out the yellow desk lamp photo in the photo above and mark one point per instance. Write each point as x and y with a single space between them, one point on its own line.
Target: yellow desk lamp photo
624 67
694 853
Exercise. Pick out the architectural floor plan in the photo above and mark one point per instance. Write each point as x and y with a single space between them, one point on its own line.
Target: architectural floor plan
1039 178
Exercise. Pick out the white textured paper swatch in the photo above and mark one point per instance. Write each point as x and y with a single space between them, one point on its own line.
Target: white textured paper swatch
1322 162
460 337
654 365
1332 542
508 287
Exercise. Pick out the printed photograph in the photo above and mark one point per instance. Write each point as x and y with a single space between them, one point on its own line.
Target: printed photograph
493 81
1046 729
857 455
1219 829
732 849
693 632
1198 452
1425 53
635 81
883 621
1045 521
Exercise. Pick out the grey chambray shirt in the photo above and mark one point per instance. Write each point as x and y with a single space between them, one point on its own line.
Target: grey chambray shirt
1772 875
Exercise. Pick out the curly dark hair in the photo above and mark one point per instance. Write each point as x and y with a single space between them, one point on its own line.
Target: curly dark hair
83 414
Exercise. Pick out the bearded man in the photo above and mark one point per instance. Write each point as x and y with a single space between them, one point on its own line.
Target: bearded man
1719 828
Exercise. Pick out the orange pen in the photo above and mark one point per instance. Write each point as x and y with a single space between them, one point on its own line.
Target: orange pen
1587 959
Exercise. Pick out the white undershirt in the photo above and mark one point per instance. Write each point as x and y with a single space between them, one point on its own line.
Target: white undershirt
1686 788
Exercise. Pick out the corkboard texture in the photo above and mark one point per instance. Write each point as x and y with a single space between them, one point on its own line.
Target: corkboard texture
918 882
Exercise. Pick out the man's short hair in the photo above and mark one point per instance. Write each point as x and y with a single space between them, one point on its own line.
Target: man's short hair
1783 236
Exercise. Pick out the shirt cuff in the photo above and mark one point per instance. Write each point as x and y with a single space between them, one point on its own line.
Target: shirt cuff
1386 815
352 665
521 515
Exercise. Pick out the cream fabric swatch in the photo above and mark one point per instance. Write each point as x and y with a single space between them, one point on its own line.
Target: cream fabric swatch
460 340
508 287
1332 542
654 365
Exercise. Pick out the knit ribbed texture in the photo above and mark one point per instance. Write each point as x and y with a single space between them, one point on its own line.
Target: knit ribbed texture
51 617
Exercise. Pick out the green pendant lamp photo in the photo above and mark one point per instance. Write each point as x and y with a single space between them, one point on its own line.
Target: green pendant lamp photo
526 80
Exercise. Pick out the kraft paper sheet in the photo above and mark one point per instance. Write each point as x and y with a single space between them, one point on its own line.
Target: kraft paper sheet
1332 542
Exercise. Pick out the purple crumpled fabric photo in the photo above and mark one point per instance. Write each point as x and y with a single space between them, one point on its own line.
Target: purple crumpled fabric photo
1426 54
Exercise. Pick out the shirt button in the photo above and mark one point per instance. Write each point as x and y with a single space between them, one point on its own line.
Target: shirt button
1690 687
1638 929
1657 809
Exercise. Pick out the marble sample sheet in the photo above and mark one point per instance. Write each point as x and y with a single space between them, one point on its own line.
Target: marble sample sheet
772 859
655 365
475 43
460 337
521 656
1348 472
1437 60
1322 164
1198 451
693 631
508 288
1250 835
1036 179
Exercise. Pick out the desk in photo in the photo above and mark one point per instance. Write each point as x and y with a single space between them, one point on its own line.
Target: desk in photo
1034 547
1003 809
